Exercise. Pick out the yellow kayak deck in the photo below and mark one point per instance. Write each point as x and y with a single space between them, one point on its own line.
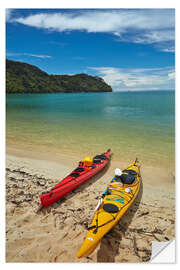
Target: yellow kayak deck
119 199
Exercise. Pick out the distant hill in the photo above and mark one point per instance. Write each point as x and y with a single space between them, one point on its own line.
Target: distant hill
25 78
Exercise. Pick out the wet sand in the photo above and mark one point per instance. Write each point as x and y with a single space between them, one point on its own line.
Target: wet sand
56 233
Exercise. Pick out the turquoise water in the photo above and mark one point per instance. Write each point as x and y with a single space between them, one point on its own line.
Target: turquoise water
130 123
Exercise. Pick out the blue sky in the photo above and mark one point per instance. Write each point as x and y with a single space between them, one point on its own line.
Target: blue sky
131 49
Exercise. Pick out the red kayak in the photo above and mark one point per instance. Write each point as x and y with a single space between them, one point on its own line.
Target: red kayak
81 174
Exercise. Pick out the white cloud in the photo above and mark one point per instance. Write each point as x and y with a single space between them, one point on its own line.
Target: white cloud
155 36
166 49
136 25
102 21
28 54
137 79
38 55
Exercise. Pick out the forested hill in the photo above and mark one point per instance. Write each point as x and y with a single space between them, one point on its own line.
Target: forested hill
25 78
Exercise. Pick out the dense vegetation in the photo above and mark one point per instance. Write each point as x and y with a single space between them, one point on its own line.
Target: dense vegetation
25 78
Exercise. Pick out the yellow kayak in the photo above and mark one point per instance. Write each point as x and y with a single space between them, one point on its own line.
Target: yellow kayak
118 197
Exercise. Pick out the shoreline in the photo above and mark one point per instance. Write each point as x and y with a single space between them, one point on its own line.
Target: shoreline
69 92
37 237
72 156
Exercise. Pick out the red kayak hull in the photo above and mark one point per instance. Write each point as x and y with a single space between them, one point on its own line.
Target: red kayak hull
73 180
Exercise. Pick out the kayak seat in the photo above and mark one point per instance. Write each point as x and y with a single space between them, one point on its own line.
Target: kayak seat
101 157
96 160
110 208
125 179
79 170
75 174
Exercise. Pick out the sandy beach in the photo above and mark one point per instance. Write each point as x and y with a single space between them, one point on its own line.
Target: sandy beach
56 233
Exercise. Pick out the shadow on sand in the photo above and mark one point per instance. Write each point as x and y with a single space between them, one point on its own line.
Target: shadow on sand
109 246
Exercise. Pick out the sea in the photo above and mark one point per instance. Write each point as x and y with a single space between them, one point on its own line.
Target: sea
133 124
